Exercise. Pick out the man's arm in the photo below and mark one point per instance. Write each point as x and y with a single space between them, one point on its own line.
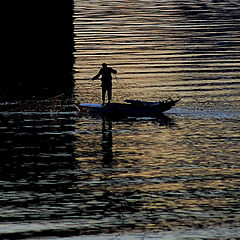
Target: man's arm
113 71
98 75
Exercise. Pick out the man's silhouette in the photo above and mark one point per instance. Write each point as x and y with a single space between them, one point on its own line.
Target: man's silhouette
106 79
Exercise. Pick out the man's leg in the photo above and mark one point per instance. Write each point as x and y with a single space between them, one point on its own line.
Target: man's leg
109 94
103 94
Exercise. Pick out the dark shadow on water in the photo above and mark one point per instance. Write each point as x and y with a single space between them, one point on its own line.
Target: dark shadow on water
37 165
28 142
37 49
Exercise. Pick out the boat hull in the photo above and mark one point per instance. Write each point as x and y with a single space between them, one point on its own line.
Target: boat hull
132 108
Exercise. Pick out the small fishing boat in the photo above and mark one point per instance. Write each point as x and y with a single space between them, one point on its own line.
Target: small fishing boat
129 108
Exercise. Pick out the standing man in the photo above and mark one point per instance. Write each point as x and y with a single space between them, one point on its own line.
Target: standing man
106 79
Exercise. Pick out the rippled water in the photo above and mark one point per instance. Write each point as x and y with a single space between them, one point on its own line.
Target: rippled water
187 49
140 178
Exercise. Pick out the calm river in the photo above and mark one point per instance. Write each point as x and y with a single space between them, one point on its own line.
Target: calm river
77 177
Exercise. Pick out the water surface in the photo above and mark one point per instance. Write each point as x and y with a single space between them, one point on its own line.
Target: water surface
176 177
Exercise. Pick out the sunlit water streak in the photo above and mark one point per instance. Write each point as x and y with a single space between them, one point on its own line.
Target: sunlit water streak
178 177
166 48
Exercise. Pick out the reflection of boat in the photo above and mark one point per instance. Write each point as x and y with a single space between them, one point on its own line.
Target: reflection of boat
128 109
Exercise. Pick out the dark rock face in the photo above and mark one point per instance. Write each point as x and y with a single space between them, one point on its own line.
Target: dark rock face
37 48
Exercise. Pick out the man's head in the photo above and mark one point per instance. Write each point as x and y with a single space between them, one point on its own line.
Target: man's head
104 65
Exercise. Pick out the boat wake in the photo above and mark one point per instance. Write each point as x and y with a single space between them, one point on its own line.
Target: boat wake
223 114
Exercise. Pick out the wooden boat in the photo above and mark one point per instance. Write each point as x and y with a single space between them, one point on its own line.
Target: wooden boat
129 108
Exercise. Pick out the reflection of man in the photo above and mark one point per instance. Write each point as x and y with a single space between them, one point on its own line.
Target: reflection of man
106 73
107 143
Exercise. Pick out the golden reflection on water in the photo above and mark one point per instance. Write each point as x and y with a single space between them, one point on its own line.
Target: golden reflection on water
160 49
184 174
